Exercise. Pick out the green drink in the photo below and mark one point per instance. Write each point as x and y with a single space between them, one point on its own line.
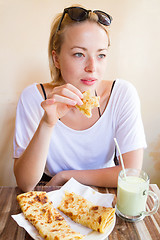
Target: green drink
132 193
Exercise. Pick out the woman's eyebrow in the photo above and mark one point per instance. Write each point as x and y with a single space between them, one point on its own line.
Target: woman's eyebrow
102 49
85 49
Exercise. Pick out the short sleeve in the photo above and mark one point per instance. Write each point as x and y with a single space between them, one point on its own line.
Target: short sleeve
129 129
28 116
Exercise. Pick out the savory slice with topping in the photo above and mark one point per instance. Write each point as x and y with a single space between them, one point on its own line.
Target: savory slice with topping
86 213
47 220
89 103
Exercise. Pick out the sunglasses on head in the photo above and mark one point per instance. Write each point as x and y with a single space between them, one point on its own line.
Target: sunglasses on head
80 14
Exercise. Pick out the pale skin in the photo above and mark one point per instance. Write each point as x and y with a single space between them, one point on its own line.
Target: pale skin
82 62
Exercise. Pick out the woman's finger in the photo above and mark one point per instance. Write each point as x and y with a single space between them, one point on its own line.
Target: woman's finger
70 91
70 94
74 89
65 100
47 102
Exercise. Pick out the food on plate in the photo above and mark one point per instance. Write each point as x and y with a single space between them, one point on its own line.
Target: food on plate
89 103
86 213
39 210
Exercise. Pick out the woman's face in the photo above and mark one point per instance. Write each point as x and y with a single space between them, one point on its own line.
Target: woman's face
82 59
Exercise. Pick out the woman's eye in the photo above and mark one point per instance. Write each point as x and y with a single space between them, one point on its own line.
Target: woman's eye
78 54
101 55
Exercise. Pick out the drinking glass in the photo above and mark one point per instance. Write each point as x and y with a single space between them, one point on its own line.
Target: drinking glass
132 193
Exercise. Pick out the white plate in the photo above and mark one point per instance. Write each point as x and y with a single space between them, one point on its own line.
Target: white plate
87 192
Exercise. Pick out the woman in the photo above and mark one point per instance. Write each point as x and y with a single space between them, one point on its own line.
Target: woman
52 136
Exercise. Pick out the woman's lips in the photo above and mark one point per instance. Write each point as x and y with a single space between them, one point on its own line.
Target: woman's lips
88 81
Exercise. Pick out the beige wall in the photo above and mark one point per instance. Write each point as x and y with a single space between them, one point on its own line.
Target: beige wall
134 56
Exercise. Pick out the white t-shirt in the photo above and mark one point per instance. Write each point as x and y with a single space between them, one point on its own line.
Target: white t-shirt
92 148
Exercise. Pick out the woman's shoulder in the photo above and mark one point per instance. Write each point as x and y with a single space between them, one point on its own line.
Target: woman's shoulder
118 81
125 91
122 91
30 98
30 94
48 88
36 89
28 90
124 88
118 85
124 84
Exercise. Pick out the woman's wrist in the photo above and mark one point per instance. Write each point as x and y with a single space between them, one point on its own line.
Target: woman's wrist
63 177
45 123
59 179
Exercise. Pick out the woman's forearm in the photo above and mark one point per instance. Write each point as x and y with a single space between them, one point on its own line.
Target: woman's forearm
106 177
29 167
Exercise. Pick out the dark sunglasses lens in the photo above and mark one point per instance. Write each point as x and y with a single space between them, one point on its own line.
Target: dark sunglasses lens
104 18
77 14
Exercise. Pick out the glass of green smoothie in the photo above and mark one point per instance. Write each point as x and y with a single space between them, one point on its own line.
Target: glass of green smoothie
132 193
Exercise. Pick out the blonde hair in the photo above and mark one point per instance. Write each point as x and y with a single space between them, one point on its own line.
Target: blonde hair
57 37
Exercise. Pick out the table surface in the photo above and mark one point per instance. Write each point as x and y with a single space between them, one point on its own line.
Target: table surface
147 229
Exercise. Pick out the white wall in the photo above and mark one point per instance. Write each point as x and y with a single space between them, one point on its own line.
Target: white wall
134 55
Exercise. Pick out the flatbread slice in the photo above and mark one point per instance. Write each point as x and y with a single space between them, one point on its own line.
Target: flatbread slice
86 213
46 219
89 103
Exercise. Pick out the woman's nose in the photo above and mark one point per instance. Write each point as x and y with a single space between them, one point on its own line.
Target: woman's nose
90 65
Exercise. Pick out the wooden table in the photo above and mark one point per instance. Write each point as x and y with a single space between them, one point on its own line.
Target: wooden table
147 229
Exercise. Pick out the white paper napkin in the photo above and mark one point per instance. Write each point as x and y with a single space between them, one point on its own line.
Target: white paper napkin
101 199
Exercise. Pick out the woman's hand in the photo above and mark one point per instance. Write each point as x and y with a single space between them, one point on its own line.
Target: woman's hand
58 179
59 102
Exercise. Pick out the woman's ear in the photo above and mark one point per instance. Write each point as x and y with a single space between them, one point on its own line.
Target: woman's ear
55 59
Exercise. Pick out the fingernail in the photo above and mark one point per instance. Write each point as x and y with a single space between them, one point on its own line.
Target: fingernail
73 103
81 95
80 103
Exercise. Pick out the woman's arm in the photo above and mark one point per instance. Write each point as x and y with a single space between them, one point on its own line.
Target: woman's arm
28 168
106 177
